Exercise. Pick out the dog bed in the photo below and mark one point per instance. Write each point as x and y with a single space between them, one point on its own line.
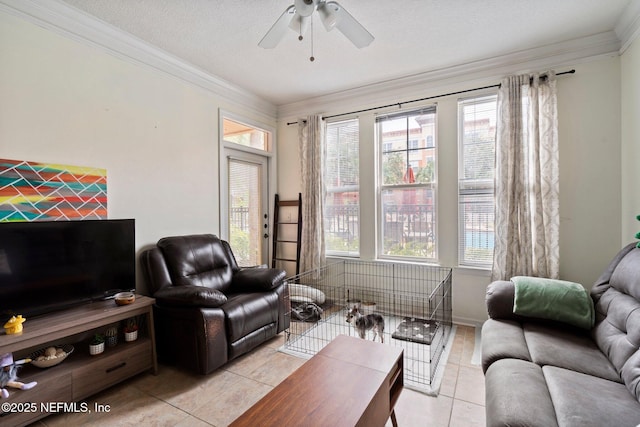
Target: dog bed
304 293
415 330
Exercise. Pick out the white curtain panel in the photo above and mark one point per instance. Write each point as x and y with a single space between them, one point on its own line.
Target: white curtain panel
312 154
527 179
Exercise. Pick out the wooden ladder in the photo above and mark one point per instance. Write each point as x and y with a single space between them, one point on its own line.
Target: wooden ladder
277 222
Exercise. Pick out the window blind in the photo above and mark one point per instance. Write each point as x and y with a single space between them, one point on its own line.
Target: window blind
476 166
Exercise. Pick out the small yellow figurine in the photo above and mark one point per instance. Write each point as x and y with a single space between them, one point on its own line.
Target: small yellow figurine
14 325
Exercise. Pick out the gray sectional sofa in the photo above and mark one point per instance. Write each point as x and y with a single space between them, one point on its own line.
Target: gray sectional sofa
546 373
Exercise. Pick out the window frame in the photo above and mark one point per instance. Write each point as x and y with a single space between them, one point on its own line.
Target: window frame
488 184
268 131
344 189
380 186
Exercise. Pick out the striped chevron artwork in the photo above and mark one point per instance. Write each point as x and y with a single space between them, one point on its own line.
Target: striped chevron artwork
32 191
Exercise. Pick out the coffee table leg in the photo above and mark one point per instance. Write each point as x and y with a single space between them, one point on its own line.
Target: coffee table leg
393 418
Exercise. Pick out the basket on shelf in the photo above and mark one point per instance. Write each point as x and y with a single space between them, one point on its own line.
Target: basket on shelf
50 356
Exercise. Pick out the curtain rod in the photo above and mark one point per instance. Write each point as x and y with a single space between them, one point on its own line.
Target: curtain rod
400 104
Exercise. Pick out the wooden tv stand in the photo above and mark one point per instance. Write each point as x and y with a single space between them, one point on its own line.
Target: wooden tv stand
80 375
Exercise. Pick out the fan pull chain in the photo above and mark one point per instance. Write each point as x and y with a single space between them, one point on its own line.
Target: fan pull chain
312 58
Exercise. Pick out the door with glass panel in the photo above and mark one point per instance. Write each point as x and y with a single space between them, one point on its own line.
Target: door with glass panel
248 207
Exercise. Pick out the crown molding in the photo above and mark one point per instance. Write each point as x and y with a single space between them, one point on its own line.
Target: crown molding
79 26
74 24
564 54
628 27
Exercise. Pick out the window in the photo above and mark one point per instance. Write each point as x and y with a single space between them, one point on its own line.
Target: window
430 141
342 206
245 135
476 156
408 184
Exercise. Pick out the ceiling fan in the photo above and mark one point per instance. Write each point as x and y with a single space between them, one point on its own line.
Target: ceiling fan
298 18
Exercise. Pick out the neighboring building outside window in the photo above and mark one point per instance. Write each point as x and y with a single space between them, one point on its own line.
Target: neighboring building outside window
476 157
342 207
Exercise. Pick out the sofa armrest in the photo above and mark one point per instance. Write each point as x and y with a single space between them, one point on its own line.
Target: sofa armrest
258 279
499 299
189 296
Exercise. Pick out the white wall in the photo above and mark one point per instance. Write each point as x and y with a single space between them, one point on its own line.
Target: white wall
589 134
590 195
630 72
62 101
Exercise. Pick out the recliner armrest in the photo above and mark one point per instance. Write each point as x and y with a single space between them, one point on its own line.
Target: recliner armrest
189 296
257 279
155 269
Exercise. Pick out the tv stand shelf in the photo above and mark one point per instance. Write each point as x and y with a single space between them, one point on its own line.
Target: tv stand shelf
80 375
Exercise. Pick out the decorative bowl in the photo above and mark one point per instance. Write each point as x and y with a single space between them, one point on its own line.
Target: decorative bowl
47 363
124 298
354 303
368 307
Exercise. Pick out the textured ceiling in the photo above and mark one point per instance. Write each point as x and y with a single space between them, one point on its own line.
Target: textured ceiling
411 37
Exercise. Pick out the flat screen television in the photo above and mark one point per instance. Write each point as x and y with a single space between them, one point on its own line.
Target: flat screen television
48 266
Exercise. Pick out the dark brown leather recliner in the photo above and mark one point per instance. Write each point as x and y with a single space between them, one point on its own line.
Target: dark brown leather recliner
208 310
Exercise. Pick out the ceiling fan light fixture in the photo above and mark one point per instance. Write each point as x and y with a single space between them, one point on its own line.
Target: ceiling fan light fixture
305 7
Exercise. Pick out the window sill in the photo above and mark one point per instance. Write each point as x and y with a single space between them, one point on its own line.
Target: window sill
473 271
460 269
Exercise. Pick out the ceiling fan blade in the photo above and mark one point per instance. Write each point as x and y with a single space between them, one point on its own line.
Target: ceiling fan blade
278 30
328 14
348 25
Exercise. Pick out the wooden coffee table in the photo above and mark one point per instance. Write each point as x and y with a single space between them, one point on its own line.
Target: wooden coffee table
350 382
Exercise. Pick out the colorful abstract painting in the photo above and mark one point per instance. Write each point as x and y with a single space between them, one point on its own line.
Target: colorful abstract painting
32 191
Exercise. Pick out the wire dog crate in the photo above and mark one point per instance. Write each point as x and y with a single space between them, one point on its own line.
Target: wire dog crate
414 300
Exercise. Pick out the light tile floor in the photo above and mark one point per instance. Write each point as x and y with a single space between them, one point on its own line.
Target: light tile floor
177 398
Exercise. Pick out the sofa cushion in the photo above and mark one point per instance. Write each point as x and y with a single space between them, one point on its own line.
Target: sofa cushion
631 374
199 260
625 277
569 348
583 400
602 284
618 334
246 313
502 339
517 395
617 330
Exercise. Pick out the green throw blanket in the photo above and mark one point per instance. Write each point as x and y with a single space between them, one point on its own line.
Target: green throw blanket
551 299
